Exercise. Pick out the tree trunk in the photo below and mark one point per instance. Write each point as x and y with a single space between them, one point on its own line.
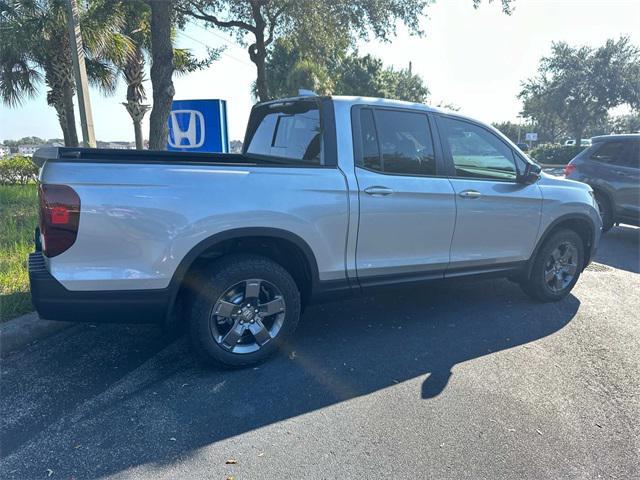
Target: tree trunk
578 137
137 131
70 116
134 75
258 52
59 78
63 123
137 111
261 80
161 73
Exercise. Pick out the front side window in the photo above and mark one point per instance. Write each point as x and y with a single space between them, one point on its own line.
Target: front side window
290 131
477 153
622 154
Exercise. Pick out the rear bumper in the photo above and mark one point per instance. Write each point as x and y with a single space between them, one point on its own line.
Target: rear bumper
53 301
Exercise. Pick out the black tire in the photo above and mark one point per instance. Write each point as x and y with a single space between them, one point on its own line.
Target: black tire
606 211
535 285
216 279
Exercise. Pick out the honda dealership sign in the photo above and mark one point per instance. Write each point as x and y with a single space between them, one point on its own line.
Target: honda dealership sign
198 126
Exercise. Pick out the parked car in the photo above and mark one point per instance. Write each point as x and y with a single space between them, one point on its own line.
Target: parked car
523 146
612 167
585 142
331 196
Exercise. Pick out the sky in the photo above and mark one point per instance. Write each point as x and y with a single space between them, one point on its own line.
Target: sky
475 59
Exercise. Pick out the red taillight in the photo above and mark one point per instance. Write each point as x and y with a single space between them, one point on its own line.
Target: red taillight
569 169
59 215
59 218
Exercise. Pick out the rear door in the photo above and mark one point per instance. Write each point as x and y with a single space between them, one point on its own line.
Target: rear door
497 218
407 208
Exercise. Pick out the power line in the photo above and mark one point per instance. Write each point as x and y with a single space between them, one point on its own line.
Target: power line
246 64
221 37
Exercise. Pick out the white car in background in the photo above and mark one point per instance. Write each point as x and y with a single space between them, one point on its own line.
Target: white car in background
585 142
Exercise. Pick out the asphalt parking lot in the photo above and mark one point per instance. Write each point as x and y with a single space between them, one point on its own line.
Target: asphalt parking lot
466 381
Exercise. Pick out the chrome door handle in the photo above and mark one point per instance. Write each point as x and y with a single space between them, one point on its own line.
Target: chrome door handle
470 194
383 191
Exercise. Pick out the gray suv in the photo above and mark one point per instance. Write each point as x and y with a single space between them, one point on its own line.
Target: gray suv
612 167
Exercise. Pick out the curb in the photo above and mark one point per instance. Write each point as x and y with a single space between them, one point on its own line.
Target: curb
18 333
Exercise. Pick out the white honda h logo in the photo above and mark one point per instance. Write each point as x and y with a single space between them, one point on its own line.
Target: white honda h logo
190 134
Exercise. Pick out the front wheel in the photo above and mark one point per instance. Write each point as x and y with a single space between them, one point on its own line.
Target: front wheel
246 306
556 267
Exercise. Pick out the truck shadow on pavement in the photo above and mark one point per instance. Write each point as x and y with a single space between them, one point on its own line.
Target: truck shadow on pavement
96 407
620 248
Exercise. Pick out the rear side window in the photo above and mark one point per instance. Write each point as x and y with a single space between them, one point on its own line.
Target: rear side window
477 153
290 131
395 141
370 152
621 154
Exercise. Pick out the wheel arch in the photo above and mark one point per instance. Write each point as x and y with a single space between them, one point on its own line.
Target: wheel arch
606 193
302 261
579 223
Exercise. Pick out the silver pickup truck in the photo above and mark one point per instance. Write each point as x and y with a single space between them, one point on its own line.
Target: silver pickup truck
331 196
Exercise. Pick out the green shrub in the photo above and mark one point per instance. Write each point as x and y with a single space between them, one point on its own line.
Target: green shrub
555 154
17 170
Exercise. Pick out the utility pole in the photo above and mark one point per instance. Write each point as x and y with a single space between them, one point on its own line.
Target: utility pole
80 71
519 127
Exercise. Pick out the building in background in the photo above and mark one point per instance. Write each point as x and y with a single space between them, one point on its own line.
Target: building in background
4 151
116 145
29 150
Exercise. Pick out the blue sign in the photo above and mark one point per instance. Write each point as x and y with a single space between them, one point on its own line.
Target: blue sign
198 126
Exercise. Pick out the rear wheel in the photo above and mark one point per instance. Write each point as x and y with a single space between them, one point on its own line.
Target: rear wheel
246 306
606 211
556 267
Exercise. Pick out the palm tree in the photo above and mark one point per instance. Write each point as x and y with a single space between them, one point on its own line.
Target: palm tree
134 74
137 28
35 47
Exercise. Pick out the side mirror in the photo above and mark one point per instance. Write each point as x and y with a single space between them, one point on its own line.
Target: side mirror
530 175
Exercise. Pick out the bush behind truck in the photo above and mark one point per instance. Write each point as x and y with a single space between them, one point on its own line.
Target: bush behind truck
17 170
555 154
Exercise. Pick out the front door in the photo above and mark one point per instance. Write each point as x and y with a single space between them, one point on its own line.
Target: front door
407 211
497 218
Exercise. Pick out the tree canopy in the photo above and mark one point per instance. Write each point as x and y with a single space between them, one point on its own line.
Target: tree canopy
324 21
576 87
35 48
324 25
290 68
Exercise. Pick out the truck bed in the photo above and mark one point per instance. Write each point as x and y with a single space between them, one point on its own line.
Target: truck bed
107 155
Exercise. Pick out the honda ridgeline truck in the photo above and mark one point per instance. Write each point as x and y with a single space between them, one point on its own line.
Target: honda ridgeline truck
331 196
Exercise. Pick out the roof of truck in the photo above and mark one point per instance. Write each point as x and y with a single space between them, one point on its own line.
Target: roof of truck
356 100
617 137
384 102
